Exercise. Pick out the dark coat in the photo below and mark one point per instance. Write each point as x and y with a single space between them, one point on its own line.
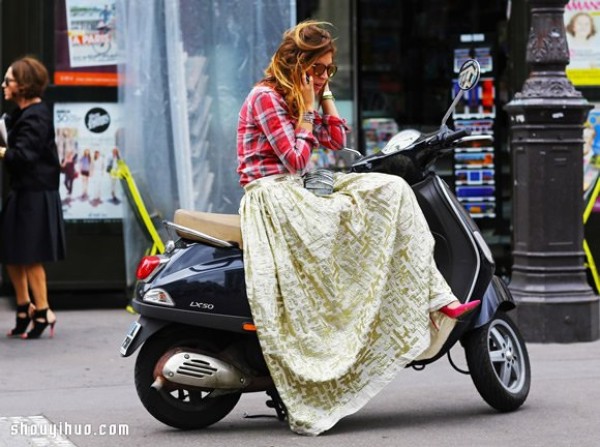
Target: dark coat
32 158
32 227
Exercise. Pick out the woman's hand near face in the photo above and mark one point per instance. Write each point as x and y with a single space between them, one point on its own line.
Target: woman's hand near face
323 90
328 105
308 92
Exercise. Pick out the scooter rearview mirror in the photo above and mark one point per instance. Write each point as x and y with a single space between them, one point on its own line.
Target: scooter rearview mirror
468 77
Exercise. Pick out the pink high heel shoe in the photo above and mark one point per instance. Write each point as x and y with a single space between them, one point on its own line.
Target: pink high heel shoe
460 311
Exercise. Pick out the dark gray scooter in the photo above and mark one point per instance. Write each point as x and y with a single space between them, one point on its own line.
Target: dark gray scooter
200 351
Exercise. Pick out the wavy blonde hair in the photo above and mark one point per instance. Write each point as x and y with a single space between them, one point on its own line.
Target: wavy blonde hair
300 47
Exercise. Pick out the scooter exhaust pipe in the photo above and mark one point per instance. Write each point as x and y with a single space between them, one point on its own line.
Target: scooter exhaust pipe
195 370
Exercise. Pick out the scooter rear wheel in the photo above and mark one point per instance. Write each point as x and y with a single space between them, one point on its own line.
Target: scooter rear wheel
499 363
181 408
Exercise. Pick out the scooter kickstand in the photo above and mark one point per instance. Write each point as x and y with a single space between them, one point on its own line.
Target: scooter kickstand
277 404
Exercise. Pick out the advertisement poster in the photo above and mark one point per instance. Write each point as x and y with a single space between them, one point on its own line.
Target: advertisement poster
582 25
87 138
591 194
92 34
86 43
591 149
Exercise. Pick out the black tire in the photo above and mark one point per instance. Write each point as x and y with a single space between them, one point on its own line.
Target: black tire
499 363
184 409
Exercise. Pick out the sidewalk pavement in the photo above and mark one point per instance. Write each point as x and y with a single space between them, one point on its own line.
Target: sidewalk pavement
79 377
66 375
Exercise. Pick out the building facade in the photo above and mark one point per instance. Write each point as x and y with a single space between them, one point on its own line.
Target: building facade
169 76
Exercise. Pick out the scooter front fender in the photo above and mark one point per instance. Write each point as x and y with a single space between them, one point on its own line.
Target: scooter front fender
496 296
140 331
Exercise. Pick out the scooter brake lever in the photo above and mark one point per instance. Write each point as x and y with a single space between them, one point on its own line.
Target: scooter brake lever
352 151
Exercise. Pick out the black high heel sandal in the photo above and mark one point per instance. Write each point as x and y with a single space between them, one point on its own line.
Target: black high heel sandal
40 323
22 322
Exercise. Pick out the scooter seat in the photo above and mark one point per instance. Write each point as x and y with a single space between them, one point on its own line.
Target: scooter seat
225 227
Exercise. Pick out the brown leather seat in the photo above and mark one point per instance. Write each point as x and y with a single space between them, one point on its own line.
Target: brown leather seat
225 227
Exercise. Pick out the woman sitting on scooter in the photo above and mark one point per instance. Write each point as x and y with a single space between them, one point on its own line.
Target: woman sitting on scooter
343 287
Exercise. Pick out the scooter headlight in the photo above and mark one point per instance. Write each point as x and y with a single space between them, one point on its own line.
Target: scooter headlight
158 296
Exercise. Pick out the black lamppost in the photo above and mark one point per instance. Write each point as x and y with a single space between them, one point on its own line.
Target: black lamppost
555 302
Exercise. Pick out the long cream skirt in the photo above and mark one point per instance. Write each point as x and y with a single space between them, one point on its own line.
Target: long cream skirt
341 289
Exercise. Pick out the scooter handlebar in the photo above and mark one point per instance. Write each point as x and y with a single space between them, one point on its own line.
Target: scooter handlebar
453 136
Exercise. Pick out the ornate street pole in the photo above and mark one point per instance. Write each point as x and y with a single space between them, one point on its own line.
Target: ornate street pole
555 302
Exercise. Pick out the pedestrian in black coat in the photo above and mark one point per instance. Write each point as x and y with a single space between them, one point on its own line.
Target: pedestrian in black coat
31 227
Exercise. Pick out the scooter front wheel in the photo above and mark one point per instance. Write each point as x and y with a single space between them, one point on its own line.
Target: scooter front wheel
499 363
180 408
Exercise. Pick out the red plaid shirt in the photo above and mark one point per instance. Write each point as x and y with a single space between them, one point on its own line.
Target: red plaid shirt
268 141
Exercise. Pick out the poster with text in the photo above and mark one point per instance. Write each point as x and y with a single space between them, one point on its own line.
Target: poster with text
87 138
92 32
591 148
582 25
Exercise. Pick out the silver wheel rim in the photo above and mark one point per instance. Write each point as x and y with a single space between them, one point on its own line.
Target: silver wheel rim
507 357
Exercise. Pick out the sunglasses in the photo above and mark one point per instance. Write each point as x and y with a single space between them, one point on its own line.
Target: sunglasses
8 80
318 69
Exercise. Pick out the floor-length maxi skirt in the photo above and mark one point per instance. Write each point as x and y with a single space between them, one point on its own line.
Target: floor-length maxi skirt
341 288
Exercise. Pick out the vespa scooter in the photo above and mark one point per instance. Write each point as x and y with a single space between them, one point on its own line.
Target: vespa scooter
199 349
